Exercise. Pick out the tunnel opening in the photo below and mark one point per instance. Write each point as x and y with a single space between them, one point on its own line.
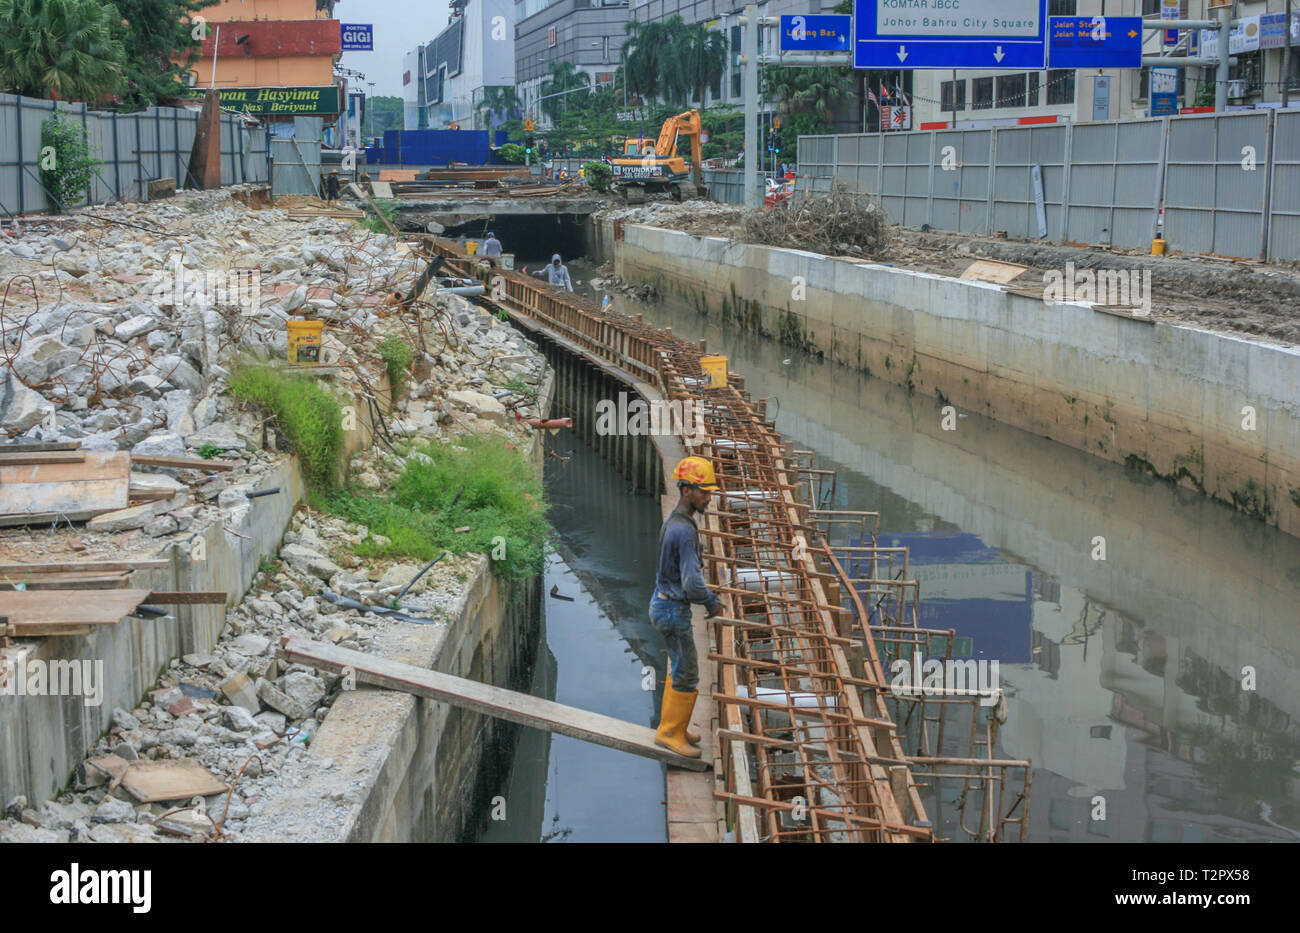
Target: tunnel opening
532 238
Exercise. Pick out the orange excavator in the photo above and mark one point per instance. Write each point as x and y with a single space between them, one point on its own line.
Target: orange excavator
646 167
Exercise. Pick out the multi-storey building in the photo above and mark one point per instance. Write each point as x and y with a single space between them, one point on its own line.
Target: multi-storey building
273 58
587 33
444 81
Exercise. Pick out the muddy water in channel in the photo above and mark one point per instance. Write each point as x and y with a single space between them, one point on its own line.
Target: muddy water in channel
597 654
1125 675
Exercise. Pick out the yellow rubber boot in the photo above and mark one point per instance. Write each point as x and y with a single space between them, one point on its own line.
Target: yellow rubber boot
692 737
672 721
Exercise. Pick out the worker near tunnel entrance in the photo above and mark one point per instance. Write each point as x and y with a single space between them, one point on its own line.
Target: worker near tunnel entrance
678 583
556 273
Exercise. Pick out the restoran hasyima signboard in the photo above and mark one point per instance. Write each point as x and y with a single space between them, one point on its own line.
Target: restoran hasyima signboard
358 37
987 34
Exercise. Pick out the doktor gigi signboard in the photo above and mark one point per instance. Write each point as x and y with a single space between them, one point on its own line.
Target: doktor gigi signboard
282 101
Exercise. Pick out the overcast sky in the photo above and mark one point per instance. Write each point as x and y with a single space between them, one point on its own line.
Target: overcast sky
400 25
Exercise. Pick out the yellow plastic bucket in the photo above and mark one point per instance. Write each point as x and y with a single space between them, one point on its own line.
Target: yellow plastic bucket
305 339
471 247
715 367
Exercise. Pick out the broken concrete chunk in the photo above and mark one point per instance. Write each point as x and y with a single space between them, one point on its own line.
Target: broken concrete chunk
126 519
135 326
240 719
239 690
251 645
307 689
277 699
220 435
21 408
305 560
161 445
112 810
483 406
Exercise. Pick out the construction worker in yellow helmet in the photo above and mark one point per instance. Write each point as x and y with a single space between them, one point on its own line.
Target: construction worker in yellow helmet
678 583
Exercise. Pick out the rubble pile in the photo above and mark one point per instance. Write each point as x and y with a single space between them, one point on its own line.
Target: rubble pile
236 711
119 332
102 345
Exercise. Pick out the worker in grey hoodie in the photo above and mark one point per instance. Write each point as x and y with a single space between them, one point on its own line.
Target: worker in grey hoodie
556 273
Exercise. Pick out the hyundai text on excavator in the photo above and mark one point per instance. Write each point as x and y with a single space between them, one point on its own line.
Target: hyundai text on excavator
656 167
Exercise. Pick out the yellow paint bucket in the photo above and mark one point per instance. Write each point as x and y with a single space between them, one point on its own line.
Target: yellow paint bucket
471 247
305 339
715 367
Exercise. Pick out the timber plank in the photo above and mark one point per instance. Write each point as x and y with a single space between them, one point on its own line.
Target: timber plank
105 579
183 463
65 608
12 458
485 698
85 565
99 484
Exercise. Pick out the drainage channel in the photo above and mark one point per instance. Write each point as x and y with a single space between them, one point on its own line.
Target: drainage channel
1142 632
599 653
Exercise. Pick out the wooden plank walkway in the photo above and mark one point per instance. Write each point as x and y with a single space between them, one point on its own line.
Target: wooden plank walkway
485 698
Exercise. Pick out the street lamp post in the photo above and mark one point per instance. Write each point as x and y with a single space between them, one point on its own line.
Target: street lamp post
370 111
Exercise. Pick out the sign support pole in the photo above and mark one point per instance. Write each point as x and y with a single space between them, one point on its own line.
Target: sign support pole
749 46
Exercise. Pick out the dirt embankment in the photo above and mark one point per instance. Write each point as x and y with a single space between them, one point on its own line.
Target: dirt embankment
1229 296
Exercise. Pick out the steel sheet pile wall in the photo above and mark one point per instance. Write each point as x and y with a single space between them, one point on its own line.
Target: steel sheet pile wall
1228 182
133 149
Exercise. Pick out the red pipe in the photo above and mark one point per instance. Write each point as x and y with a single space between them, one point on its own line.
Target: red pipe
539 423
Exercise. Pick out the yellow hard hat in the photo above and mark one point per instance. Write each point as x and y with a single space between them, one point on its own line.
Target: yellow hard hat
697 472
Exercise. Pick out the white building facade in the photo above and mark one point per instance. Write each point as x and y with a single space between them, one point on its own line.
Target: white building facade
444 80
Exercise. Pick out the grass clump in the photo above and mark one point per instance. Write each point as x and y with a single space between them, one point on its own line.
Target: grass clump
397 356
478 482
309 415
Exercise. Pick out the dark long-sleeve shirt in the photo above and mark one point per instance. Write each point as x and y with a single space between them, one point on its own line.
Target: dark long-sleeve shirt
680 575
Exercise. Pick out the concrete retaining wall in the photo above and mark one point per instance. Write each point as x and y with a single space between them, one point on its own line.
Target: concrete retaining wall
1170 399
43 739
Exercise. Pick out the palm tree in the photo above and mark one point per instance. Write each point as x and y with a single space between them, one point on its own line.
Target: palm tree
563 77
497 100
694 60
61 48
809 90
644 52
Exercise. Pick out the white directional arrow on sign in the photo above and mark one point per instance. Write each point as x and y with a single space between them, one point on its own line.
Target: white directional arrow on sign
999 54
902 53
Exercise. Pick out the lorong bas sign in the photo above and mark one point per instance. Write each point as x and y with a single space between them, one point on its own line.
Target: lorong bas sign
282 101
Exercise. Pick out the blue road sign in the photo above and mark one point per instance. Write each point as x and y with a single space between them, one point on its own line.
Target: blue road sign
986 34
358 37
1095 42
808 33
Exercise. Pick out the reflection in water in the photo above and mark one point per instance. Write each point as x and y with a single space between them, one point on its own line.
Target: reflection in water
1156 682
600 653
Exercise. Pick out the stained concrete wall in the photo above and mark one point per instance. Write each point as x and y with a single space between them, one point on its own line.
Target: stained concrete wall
1162 397
43 739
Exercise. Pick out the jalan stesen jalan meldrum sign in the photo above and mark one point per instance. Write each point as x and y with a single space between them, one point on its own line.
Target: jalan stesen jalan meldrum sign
286 101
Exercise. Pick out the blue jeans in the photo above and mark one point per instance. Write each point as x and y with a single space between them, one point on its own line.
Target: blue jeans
672 619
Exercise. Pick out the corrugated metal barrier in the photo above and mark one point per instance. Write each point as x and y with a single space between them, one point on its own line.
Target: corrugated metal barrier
1229 183
132 148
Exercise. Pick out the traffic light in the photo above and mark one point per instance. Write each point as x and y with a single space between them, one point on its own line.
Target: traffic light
775 142
528 143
